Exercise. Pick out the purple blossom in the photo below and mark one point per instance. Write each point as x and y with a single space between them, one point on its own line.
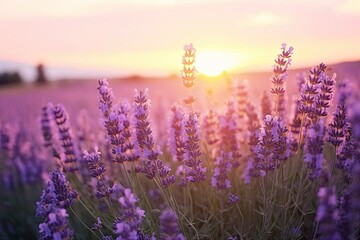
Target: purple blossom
48 201
45 125
176 142
152 165
228 129
65 137
97 169
194 171
241 93
169 229
97 225
56 226
106 98
210 126
314 143
127 225
283 61
65 196
223 166
265 105
310 90
273 147
234 199
327 214
338 126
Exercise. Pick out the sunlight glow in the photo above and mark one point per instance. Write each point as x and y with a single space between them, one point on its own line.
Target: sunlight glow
213 63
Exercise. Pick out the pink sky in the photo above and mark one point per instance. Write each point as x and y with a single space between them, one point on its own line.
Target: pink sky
146 37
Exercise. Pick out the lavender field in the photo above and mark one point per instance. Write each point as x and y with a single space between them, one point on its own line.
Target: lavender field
270 155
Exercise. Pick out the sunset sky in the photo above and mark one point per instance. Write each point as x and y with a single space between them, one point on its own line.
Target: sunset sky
146 37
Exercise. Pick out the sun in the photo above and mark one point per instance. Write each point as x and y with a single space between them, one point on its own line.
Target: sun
213 63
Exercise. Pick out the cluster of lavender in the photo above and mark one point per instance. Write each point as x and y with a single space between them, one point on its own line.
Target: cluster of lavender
127 225
273 147
52 206
316 96
152 164
117 124
169 226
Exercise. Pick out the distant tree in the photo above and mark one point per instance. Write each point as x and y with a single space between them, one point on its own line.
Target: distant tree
8 78
40 78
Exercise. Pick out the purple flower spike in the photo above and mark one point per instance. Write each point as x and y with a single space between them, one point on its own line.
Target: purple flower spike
153 166
210 125
223 166
97 169
65 136
314 143
194 171
65 196
127 225
273 147
283 61
169 229
234 199
176 142
56 226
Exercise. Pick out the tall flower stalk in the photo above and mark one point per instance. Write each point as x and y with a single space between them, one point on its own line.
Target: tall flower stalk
283 61
65 136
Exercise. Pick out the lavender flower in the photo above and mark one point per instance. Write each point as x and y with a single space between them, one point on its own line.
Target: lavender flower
241 93
228 128
338 126
176 142
327 214
127 225
48 201
106 98
152 164
65 196
310 91
51 208
65 136
56 226
272 147
194 171
283 61
189 72
97 169
97 225
220 179
325 95
210 125
265 105
233 199
46 126
314 149
169 229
